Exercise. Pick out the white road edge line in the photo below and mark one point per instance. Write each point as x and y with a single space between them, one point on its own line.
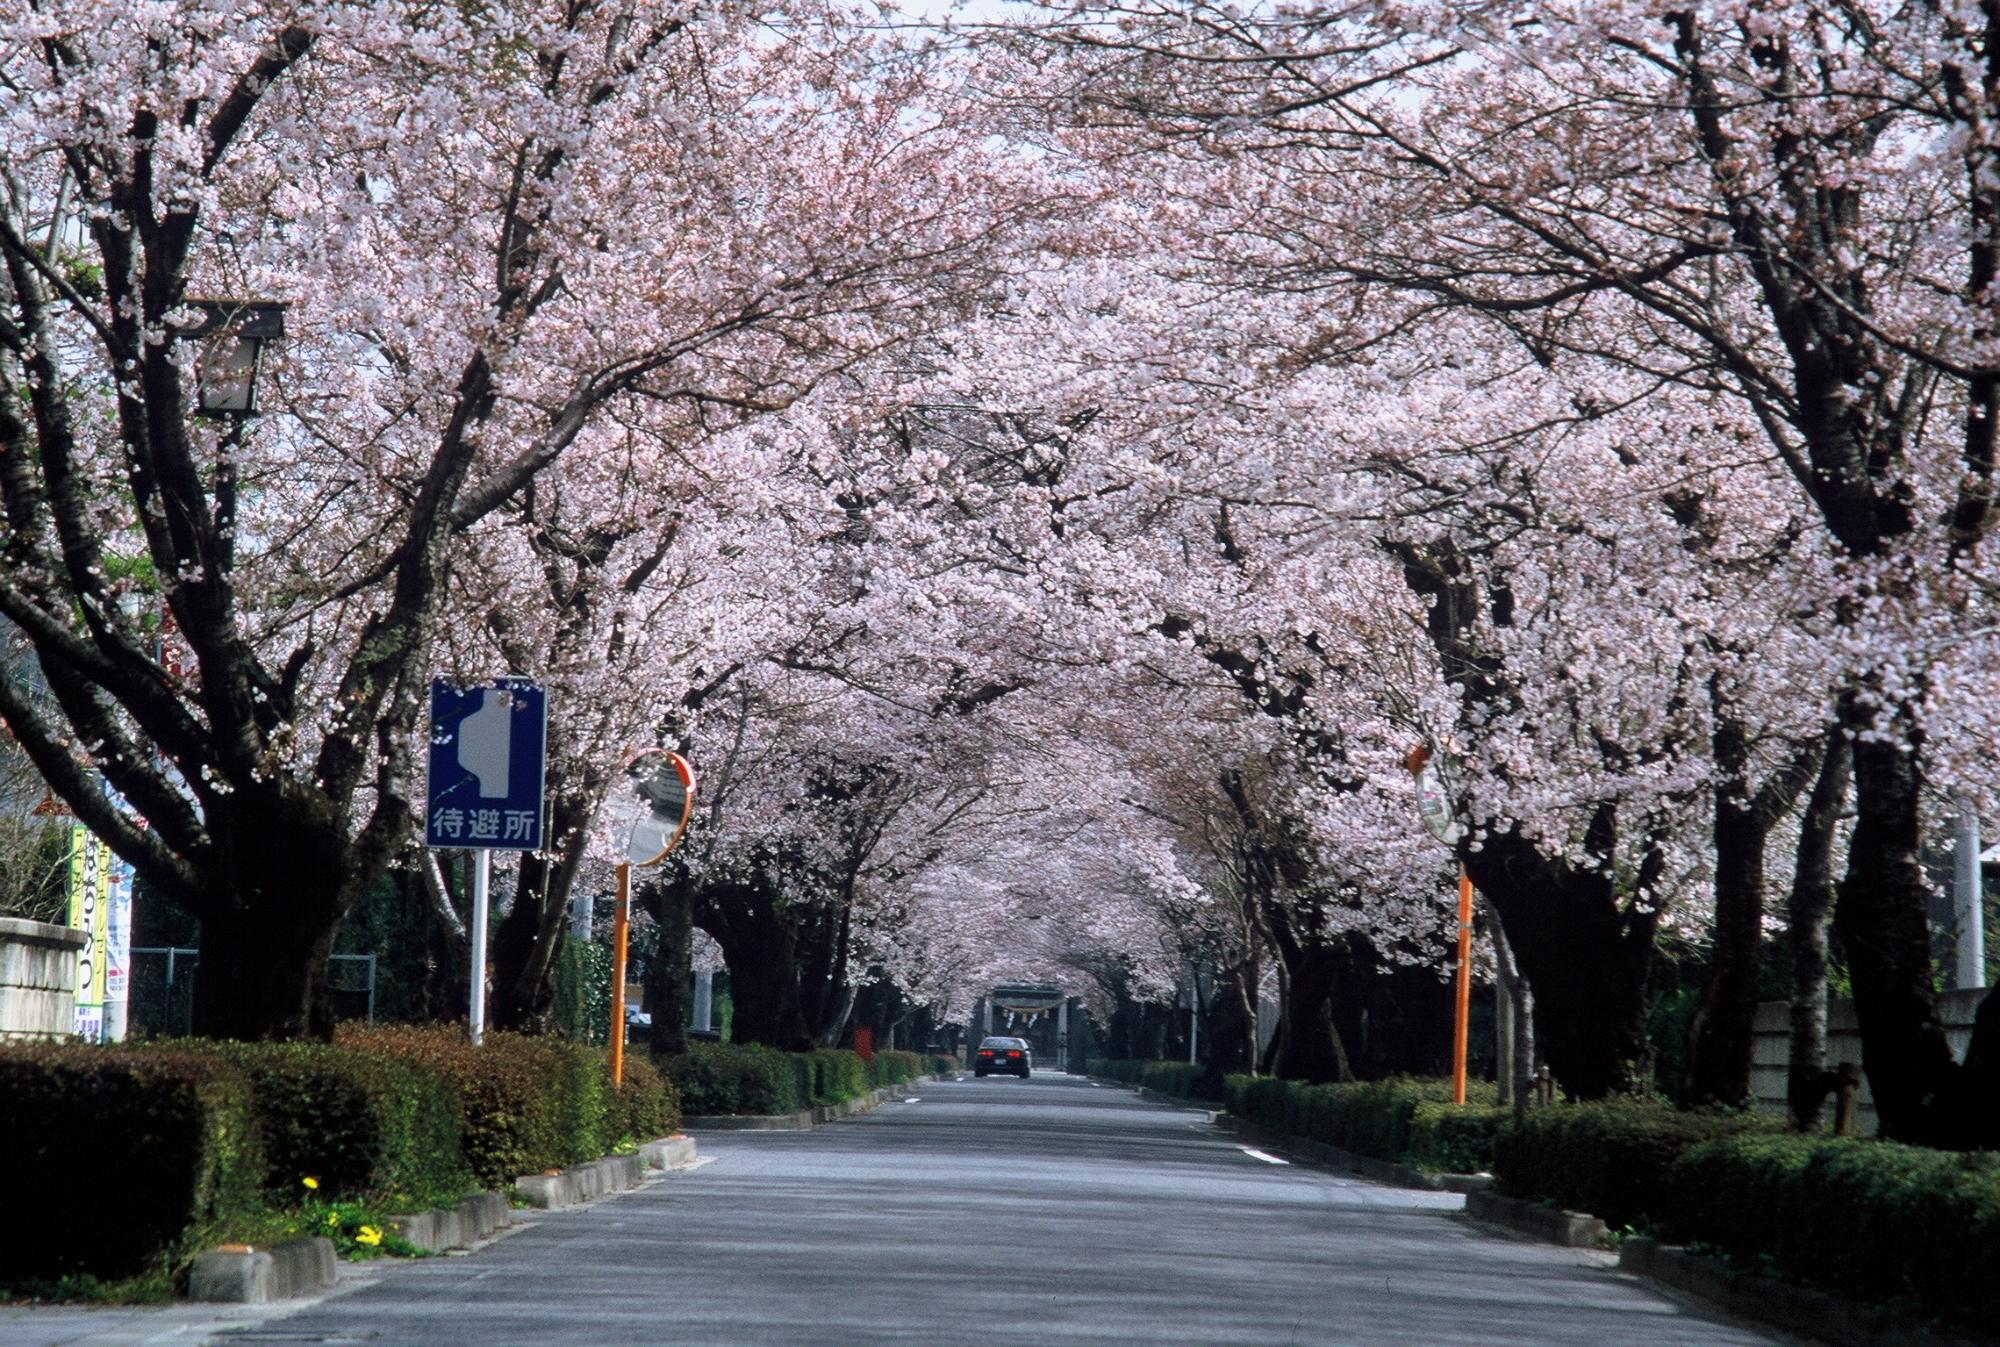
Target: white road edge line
916 1099
1259 1155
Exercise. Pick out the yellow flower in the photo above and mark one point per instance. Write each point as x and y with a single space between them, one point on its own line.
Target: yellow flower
368 1234
333 1218
311 1182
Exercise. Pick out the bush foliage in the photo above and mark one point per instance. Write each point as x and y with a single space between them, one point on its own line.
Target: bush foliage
1186 1080
1407 1120
133 1156
1901 1224
1610 1159
122 1155
749 1078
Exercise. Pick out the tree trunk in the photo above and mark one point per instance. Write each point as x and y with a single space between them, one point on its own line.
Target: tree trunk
1721 1040
1811 901
1588 958
529 938
1881 917
1516 1069
667 981
760 946
263 972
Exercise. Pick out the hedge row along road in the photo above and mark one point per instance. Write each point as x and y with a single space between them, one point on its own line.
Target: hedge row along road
986 1211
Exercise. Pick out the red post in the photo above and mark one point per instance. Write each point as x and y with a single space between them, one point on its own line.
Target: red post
1462 1018
621 930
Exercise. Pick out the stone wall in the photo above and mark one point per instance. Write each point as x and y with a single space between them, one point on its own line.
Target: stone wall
1843 1044
37 979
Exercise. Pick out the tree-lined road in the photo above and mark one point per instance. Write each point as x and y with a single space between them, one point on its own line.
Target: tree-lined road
1001 1211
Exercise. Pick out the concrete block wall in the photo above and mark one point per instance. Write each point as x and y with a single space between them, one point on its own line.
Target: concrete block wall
1769 1070
37 979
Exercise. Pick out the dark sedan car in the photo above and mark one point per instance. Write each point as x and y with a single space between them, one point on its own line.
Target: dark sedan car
1003 1054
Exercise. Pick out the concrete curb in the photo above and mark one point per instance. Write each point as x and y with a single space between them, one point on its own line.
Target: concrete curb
671 1154
1818 1314
247 1276
459 1227
1575 1229
580 1183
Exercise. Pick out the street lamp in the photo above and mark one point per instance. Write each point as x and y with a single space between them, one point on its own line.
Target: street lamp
232 333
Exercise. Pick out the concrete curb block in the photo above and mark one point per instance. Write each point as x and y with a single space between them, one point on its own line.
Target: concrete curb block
460 1227
581 1183
1576 1229
1818 1314
297 1267
669 1153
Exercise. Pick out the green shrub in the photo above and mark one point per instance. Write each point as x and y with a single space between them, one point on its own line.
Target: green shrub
839 1074
740 1078
526 1104
648 1106
1408 1120
945 1064
362 1124
1609 1159
121 1156
895 1067
1915 1227
1453 1139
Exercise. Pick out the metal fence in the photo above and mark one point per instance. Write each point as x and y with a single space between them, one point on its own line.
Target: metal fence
162 1004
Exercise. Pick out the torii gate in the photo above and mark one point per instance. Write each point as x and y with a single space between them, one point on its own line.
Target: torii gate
1030 999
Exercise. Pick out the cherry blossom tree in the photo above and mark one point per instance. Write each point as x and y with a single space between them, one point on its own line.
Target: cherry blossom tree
497 231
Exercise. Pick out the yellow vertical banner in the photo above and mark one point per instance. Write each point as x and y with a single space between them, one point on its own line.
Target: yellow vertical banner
89 912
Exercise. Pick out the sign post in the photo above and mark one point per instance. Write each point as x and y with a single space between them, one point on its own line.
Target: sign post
487 759
648 819
1434 804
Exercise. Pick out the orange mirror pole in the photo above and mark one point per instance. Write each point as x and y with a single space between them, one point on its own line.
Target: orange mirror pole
621 930
1462 1018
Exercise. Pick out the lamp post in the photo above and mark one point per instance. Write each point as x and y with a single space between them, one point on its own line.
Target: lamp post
233 334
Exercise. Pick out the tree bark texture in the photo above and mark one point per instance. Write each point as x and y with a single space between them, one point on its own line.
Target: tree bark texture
1806 917
1587 956
668 989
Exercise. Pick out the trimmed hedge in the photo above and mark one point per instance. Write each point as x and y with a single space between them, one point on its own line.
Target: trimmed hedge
362 1124
740 1078
132 1155
1612 1160
751 1078
648 1106
1186 1080
121 1154
1913 1227
1408 1120
526 1104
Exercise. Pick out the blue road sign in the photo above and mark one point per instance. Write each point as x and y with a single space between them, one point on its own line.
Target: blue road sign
486 761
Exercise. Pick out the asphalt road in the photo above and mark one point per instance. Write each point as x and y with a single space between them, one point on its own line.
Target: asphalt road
999 1212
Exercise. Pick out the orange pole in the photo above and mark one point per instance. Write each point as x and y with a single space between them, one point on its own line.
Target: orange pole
621 930
1462 1018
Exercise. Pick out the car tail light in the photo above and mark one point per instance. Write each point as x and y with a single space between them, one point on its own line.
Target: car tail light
1013 1054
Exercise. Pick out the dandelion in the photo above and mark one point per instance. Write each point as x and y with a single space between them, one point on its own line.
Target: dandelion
311 1183
333 1218
368 1235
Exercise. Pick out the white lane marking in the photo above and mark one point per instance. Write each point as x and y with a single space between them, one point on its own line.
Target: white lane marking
917 1100
1259 1155
1095 1086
